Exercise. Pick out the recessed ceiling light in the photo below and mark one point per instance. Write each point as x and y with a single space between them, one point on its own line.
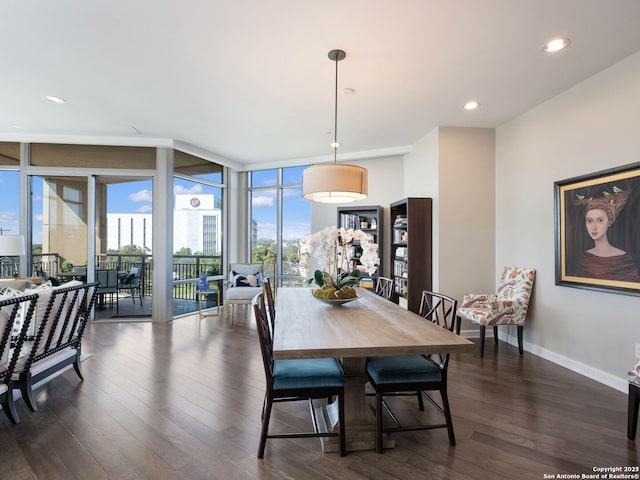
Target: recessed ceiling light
556 45
52 99
18 127
472 105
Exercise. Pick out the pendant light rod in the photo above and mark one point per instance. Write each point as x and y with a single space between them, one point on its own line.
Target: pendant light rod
336 56
333 183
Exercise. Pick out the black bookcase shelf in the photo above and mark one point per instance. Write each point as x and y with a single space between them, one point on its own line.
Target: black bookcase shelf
411 250
367 219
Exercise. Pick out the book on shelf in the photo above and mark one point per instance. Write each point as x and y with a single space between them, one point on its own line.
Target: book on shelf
400 222
350 220
399 268
366 282
358 222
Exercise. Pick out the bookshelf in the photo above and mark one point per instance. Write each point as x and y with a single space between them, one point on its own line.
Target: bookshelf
369 220
411 250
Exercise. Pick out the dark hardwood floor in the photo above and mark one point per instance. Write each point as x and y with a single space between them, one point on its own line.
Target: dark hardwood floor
182 400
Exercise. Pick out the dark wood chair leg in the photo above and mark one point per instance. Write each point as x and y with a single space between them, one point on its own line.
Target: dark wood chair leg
482 332
495 334
26 388
76 367
420 401
9 407
265 427
264 406
520 333
632 414
447 416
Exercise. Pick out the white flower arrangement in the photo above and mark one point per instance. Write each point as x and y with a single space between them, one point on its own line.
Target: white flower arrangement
329 255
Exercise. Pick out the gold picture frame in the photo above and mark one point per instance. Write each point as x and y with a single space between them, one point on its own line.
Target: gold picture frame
597 230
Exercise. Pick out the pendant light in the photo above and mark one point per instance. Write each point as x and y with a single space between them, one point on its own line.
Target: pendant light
333 182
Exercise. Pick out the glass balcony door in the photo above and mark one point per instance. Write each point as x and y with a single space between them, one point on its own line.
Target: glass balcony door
59 207
123 242
197 244
64 209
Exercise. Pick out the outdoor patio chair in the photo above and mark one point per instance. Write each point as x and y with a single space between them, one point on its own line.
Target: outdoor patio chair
108 287
131 283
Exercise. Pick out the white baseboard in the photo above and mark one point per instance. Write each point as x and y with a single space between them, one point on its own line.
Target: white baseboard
476 333
620 384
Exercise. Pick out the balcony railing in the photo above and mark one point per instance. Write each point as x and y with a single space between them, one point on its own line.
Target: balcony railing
186 270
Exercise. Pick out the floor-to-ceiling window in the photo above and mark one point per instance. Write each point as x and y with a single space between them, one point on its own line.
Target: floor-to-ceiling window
10 197
71 182
279 217
197 229
124 240
59 221
91 209
92 205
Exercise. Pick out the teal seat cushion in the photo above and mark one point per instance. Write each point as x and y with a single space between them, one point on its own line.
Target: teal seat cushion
307 373
403 369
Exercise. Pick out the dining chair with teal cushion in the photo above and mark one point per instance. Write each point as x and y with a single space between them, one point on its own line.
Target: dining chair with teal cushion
271 304
384 287
508 306
415 374
295 380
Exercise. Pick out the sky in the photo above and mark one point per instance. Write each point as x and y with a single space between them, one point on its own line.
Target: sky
296 211
9 202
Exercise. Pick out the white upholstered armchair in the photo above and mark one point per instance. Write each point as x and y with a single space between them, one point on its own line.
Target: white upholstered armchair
244 282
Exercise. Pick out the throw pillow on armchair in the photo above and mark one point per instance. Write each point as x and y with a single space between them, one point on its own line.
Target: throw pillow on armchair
250 280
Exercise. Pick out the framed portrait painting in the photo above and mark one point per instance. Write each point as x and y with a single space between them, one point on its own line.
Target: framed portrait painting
598 230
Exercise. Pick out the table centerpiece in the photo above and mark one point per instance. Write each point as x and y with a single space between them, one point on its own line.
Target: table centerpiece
329 255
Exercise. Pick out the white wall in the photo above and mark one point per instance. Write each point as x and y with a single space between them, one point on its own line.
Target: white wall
466 213
455 167
421 171
591 127
421 167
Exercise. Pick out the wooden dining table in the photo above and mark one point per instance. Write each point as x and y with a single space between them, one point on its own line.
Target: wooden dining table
368 326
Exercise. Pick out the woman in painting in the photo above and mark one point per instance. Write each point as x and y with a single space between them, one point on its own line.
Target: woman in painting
605 261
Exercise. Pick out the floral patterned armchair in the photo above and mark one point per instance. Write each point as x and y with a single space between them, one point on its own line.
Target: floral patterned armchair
507 307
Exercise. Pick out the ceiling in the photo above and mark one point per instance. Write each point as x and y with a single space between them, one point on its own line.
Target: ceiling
249 82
